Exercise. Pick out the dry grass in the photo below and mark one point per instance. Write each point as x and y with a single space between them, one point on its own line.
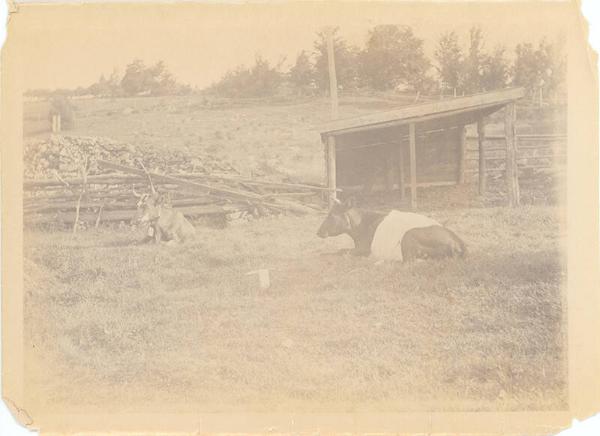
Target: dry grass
155 327
261 137
159 326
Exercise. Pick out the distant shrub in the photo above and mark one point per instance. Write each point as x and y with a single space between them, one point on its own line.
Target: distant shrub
262 80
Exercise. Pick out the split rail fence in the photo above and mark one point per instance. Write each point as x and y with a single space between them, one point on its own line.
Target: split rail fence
109 197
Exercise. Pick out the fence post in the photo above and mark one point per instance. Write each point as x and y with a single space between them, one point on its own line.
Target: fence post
401 185
462 144
413 164
331 170
390 164
55 123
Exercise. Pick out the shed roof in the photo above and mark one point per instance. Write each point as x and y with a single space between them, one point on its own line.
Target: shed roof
454 111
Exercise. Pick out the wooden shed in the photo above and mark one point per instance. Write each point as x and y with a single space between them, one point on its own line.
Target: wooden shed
419 145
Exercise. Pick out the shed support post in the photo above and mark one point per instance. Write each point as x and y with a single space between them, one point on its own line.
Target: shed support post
331 170
401 184
482 163
462 153
413 165
512 173
390 166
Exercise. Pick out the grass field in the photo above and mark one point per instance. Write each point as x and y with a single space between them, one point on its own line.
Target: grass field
185 328
259 137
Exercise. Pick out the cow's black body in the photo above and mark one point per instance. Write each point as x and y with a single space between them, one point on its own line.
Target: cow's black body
432 243
428 242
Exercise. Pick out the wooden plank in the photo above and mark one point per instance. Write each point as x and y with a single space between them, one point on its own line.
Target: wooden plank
553 142
413 166
109 179
523 136
40 207
380 187
264 183
520 168
120 179
461 116
124 215
331 170
512 180
460 179
489 159
482 169
419 111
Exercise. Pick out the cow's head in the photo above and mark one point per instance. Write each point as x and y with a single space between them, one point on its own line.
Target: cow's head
149 206
337 221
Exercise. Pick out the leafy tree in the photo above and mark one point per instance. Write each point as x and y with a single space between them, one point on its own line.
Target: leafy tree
136 79
393 56
476 71
261 80
495 70
264 79
345 62
301 74
153 80
473 69
449 58
159 80
542 67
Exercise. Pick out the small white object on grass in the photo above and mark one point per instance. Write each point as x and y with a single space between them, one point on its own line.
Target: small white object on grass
264 281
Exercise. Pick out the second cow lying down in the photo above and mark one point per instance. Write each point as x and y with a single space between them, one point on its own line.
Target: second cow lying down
403 236
164 223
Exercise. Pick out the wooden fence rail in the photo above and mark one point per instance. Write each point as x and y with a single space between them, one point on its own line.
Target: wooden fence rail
534 152
109 197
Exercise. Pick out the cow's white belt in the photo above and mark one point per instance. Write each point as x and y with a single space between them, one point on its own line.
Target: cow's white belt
388 236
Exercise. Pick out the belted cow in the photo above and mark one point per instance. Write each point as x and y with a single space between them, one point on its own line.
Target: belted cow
396 235
164 223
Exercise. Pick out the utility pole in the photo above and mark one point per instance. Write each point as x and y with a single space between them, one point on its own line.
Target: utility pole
332 76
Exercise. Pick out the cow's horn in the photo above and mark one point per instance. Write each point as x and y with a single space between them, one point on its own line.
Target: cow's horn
337 201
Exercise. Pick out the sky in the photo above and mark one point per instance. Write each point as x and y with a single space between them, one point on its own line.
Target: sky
199 43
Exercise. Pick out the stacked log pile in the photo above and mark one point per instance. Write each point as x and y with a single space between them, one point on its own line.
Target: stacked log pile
88 181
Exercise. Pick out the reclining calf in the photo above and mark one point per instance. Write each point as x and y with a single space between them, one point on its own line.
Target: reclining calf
403 236
165 224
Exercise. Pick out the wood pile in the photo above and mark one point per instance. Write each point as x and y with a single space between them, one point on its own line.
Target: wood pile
83 182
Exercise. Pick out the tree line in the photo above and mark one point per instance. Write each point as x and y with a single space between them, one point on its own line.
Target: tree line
138 79
394 58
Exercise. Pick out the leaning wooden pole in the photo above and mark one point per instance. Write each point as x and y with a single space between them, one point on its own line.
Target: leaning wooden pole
512 174
332 74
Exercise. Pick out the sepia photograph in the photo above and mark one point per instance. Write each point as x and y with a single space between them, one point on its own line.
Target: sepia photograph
312 207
